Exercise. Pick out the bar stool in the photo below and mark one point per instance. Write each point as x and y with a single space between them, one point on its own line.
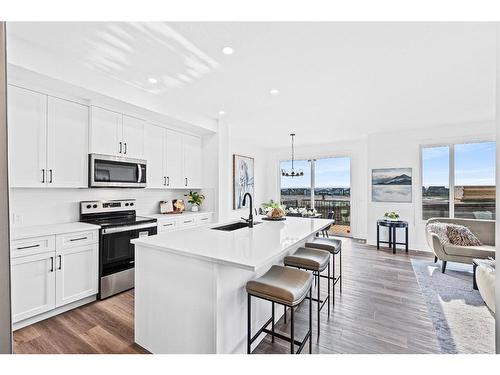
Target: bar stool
284 286
334 247
314 260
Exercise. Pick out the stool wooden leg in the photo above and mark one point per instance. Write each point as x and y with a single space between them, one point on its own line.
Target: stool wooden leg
272 325
310 319
249 319
292 337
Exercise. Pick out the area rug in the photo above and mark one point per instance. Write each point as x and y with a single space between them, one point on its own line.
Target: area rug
462 321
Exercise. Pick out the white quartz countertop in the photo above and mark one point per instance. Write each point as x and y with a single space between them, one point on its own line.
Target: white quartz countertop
51 229
246 248
174 216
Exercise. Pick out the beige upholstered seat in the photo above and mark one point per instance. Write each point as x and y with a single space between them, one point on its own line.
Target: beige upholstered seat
329 244
311 259
482 251
283 285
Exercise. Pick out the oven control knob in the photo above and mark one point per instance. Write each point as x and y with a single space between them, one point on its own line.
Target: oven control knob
89 206
95 206
126 204
131 204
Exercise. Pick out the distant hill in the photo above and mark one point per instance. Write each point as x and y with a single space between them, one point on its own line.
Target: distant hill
402 179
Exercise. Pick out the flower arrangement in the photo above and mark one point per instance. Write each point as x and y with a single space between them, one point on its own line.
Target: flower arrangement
391 216
195 198
274 210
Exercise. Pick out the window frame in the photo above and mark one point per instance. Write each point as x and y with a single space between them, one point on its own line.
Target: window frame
451 170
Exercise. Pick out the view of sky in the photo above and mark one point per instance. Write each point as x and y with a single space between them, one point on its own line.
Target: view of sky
330 172
474 165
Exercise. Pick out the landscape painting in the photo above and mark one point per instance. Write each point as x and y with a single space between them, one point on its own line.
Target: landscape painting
243 179
391 185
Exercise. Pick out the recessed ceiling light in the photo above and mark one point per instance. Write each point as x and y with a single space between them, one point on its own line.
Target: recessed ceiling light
274 91
222 113
227 51
152 80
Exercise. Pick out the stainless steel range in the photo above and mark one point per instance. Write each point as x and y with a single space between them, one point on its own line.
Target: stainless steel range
119 224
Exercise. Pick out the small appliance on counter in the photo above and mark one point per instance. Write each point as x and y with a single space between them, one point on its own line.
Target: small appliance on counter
119 224
166 207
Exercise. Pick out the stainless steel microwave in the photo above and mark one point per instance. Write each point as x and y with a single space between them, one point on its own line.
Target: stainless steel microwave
115 171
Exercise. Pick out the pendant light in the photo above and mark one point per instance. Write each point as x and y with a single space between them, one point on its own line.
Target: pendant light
292 172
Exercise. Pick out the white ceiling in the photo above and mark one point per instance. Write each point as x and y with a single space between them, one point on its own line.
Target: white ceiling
336 80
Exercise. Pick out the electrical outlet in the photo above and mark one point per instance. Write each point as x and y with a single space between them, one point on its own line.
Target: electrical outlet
18 219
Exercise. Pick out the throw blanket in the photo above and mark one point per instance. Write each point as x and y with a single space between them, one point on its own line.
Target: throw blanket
453 234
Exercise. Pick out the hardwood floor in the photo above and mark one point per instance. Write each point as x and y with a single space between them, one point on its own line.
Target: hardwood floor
101 327
381 310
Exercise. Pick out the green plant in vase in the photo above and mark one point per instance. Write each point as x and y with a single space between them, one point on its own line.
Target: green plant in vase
196 199
394 216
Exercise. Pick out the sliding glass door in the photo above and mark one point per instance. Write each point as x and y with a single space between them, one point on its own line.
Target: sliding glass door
325 186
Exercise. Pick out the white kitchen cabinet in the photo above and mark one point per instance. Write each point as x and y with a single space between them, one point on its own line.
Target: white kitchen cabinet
27 118
67 151
33 285
106 132
154 153
113 133
174 159
192 160
76 273
133 137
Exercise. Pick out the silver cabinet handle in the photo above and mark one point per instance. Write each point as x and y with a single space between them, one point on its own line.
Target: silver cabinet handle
28 247
167 225
43 176
125 148
51 264
78 239
120 148
164 180
50 180
186 182
168 180
60 262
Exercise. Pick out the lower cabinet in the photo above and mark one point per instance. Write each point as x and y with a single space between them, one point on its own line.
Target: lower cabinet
51 279
33 285
76 274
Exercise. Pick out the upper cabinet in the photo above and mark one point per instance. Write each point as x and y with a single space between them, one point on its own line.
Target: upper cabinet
113 133
174 159
48 140
191 149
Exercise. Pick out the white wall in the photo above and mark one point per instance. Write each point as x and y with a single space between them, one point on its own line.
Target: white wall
402 149
52 206
230 145
356 150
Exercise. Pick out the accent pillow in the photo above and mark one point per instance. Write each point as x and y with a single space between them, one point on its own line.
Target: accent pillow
440 230
461 236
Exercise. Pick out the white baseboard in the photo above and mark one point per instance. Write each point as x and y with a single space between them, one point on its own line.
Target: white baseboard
51 313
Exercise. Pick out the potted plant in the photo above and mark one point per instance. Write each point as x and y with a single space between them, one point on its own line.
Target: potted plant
196 199
392 216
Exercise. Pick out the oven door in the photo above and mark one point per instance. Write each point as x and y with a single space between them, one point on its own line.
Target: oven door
114 171
116 251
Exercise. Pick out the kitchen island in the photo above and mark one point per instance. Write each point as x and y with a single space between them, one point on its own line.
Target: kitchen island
190 292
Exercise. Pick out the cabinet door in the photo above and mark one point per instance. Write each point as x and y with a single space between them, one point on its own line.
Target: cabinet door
33 285
76 273
192 161
106 132
154 153
67 149
174 162
27 118
133 137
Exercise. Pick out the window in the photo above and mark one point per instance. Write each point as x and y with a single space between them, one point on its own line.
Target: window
471 172
331 192
435 182
296 191
475 180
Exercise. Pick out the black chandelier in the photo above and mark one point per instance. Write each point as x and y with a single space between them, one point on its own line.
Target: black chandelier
292 172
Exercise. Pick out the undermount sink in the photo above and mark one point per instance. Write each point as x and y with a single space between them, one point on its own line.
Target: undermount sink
234 226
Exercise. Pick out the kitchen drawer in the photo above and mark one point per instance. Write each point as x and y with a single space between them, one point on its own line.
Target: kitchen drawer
32 245
167 225
203 219
70 240
186 221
